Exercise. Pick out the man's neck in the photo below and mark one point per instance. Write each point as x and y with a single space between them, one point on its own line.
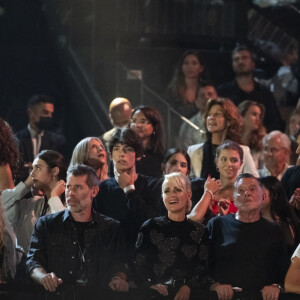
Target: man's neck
34 127
276 170
84 216
245 82
248 217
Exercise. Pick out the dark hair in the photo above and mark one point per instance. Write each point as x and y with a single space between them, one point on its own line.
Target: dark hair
81 170
157 139
37 99
243 48
178 85
258 134
9 153
232 116
297 134
246 175
54 159
173 151
128 137
203 84
230 145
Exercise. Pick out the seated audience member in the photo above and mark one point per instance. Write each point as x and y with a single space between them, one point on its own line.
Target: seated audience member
120 111
128 197
37 135
147 123
77 246
9 156
222 121
229 158
276 208
253 130
276 147
48 175
247 252
91 152
245 87
292 128
10 254
171 251
177 160
188 135
292 278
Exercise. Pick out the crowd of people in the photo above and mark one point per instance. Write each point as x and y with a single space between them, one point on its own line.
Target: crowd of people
214 216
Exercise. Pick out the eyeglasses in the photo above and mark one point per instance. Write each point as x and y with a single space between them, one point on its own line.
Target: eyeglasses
140 121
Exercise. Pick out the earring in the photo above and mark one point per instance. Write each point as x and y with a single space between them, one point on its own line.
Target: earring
153 132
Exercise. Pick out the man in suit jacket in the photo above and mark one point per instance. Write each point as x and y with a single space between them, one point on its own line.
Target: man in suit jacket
37 136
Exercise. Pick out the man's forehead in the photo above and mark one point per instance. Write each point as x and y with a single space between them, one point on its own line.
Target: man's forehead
243 182
241 53
81 179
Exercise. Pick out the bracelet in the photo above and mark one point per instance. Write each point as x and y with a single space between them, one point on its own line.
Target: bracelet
128 188
277 285
211 193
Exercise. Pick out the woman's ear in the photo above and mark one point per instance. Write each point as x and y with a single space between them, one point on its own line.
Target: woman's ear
55 171
163 167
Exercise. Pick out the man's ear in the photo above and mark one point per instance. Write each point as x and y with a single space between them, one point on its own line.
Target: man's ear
95 190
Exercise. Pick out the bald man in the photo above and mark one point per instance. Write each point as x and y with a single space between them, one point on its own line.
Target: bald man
120 111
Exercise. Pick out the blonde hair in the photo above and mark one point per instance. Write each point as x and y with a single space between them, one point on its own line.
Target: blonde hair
181 181
81 155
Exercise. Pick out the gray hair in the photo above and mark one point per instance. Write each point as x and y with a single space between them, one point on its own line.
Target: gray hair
285 140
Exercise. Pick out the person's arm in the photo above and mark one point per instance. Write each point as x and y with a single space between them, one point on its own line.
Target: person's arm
292 278
49 281
210 187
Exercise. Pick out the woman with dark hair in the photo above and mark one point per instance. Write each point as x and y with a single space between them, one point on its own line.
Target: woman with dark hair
171 253
276 208
9 156
91 152
147 123
48 177
253 129
223 122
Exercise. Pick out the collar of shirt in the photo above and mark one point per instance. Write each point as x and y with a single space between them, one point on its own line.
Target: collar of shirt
33 132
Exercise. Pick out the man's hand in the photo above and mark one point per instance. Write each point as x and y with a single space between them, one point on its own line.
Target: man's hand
270 292
50 282
183 293
224 291
59 188
126 178
118 284
160 288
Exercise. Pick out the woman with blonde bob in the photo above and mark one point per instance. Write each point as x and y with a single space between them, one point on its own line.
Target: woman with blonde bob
91 151
222 122
164 264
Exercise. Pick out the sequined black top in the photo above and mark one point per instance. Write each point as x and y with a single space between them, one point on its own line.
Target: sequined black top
172 253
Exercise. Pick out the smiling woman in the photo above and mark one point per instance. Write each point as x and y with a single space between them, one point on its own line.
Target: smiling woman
171 253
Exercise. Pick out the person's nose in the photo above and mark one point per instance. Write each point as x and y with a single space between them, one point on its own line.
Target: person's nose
32 173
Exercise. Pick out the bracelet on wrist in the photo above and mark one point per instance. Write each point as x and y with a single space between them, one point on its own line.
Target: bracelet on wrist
128 188
209 191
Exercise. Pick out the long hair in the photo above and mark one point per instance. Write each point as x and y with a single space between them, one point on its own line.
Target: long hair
232 117
55 159
178 85
255 141
2 228
9 153
280 204
80 155
157 139
173 151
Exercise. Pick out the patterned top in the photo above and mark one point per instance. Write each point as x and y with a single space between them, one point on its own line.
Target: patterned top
172 253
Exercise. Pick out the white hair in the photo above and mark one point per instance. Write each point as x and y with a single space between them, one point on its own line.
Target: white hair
285 140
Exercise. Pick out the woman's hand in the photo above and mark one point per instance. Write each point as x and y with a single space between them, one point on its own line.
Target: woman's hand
160 288
59 188
295 199
224 205
183 293
212 184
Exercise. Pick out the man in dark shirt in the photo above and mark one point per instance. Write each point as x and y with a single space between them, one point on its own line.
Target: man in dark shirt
247 252
129 197
244 87
77 246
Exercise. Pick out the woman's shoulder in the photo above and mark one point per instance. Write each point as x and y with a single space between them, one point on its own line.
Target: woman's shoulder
191 149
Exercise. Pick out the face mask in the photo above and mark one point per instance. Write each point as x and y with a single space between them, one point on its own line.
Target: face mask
44 123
